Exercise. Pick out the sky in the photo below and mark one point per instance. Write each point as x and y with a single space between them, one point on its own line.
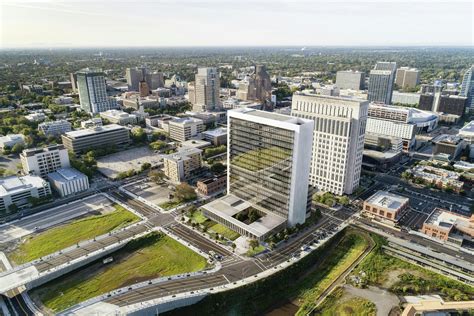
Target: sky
139 23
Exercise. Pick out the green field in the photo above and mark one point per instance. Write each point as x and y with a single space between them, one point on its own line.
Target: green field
224 231
198 217
149 257
407 278
334 304
169 205
38 245
255 251
343 256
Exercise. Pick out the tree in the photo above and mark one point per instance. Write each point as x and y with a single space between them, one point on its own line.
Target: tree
344 200
159 136
138 135
156 176
13 208
17 148
253 243
145 166
157 145
184 192
218 167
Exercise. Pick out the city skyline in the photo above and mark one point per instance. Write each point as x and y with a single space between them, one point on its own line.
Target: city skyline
289 23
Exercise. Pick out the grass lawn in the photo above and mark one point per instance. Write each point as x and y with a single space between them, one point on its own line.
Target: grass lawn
410 279
344 254
224 231
198 217
255 251
169 205
152 256
356 306
63 236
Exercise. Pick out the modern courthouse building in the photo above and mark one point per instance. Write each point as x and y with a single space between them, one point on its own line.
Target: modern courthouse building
269 155
381 80
338 140
93 91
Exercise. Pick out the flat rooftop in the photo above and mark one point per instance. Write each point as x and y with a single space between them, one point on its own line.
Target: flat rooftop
445 219
14 184
387 200
221 131
228 206
270 116
94 131
182 153
65 175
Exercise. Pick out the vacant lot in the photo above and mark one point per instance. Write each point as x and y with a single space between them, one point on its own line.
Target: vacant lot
60 237
149 257
337 304
111 165
152 192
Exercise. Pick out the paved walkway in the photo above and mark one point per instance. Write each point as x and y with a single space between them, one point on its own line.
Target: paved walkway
383 299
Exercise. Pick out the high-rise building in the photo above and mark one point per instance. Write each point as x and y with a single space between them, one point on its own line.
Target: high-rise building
143 89
407 77
179 166
338 139
350 79
135 75
381 81
263 84
41 161
73 82
467 88
93 91
155 80
206 90
268 165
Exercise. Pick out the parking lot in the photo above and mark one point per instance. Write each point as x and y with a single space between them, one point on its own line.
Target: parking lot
111 165
413 219
150 191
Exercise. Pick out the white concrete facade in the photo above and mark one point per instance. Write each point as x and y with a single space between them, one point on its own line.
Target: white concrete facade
17 190
68 181
41 161
55 128
338 139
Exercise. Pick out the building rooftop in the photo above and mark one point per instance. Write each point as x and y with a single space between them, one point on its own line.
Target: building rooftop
14 184
93 131
467 129
11 137
447 139
33 151
221 131
116 114
270 116
387 200
186 120
65 175
447 220
182 153
196 143
229 205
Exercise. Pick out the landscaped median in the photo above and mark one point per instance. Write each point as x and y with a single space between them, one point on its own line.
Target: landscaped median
154 255
44 243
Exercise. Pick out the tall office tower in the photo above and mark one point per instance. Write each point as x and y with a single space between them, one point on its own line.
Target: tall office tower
134 76
143 88
206 90
155 80
263 84
41 161
407 77
93 91
350 79
247 90
268 160
338 140
467 88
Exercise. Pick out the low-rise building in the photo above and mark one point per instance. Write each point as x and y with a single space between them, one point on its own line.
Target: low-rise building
451 145
11 140
41 161
119 117
55 128
63 100
435 306
105 136
159 121
216 136
179 166
212 185
182 129
438 177
68 181
385 206
18 191
91 123
36 117
449 227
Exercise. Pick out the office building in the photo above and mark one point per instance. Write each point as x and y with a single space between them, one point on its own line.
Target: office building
212 185
350 79
55 128
268 161
17 191
179 166
38 116
405 98
451 145
438 177
93 91
182 129
263 84
247 89
407 78
68 181
467 134
381 80
338 140
92 123
204 93
399 122
467 88
41 161
119 117
135 75
216 136
143 89
385 206
452 104
449 227
11 140
99 137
